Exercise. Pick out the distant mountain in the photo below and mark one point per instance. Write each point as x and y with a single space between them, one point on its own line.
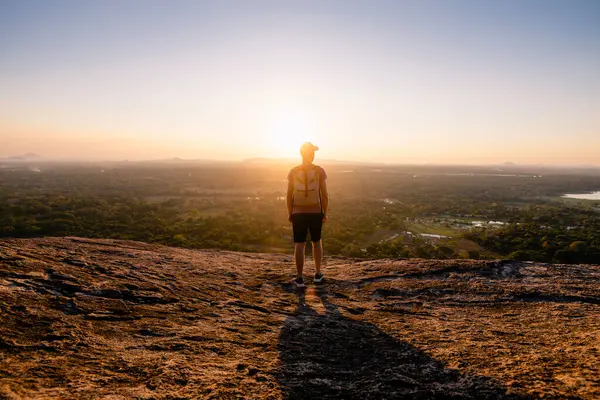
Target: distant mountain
178 160
24 157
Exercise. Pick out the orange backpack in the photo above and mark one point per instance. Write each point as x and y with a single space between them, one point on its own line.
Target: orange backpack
307 189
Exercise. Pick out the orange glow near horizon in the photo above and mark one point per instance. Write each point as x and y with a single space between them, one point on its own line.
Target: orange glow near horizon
285 131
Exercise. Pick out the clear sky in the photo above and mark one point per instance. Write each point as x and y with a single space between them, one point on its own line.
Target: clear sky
395 81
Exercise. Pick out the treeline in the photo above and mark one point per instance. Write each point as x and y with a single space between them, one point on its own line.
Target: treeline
241 208
169 222
235 224
247 224
548 233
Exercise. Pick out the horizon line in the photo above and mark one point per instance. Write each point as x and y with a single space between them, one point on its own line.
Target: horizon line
507 164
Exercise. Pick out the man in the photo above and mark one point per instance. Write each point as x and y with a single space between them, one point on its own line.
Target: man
307 204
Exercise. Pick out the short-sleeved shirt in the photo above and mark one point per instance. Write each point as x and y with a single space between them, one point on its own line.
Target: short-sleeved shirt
308 209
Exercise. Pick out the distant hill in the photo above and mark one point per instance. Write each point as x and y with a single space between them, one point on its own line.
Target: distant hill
24 157
84 318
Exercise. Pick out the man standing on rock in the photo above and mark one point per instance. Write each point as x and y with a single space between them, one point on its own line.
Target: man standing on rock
307 203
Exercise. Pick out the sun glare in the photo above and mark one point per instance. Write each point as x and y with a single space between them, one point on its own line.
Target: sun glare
286 131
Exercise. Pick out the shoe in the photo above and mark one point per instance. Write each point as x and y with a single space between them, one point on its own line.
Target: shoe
299 282
318 278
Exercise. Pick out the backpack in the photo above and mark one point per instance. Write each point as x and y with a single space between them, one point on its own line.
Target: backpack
307 189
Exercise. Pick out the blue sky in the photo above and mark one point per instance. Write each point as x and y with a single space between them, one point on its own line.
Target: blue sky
398 81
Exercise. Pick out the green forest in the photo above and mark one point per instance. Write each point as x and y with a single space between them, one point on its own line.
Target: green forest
376 211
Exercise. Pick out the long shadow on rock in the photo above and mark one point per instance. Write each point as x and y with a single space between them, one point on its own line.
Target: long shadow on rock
329 356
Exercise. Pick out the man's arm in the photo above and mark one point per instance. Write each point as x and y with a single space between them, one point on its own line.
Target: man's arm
289 199
324 197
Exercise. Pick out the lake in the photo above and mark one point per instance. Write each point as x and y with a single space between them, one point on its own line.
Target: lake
583 196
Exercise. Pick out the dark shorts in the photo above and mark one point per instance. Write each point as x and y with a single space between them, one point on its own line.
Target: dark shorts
303 223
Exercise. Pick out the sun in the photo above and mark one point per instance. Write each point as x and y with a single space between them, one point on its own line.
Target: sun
286 131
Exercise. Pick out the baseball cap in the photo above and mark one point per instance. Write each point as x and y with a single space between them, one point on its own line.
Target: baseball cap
308 148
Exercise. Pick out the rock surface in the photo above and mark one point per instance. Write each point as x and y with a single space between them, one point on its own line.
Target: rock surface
88 319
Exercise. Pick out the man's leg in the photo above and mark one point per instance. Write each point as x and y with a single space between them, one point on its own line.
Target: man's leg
318 255
315 227
299 255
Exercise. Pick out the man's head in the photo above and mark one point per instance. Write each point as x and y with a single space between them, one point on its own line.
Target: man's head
307 151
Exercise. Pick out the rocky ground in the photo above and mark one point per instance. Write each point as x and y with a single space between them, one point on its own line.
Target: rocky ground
88 319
